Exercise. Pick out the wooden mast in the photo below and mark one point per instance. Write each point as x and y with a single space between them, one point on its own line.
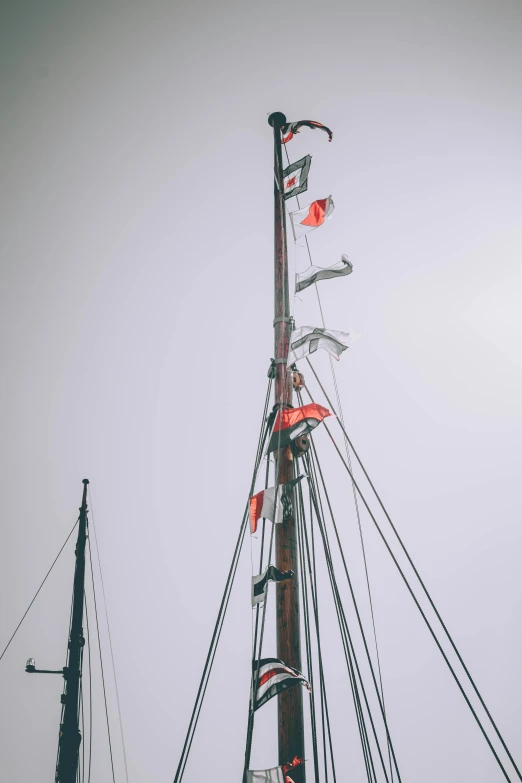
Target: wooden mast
290 712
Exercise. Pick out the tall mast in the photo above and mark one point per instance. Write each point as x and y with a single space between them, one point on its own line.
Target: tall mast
70 736
290 712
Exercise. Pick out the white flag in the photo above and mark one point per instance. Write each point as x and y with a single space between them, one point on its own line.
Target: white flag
308 339
274 775
315 273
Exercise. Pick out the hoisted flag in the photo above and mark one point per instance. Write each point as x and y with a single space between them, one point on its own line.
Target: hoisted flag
315 273
274 677
308 339
295 177
275 774
260 582
312 216
290 423
289 130
262 505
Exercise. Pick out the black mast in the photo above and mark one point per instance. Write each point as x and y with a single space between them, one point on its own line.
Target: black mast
70 736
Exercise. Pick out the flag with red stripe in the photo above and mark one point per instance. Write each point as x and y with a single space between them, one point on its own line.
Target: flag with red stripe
274 677
290 423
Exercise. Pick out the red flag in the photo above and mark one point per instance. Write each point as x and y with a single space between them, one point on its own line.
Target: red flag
291 128
292 422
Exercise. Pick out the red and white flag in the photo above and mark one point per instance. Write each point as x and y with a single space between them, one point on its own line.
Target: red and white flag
263 505
295 177
289 130
313 216
293 422
273 677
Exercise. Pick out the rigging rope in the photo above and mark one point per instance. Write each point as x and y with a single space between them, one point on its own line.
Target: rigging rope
477 719
349 648
312 581
110 637
101 658
222 609
90 686
332 369
308 645
314 459
424 588
36 594
311 460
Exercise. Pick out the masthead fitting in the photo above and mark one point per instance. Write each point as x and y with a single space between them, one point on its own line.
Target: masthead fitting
277 119
85 481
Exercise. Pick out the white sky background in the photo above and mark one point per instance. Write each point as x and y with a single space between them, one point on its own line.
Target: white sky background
137 330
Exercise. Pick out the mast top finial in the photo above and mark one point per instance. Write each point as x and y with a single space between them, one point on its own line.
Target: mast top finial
277 118
85 481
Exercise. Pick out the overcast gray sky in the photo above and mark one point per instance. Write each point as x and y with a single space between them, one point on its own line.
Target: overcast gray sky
136 309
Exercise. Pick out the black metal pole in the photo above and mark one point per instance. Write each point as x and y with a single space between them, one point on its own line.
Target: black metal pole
70 735
290 713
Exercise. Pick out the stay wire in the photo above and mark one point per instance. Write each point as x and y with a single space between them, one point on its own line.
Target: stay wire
345 635
365 561
220 619
477 719
90 685
424 588
353 488
356 673
320 655
308 643
354 601
352 592
250 718
325 718
110 637
36 594
101 659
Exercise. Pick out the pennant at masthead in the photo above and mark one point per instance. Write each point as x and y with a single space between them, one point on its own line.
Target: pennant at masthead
308 339
311 217
295 177
315 273
291 128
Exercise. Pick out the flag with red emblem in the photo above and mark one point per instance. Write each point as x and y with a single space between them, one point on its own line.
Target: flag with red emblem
311 217
295 177
290 423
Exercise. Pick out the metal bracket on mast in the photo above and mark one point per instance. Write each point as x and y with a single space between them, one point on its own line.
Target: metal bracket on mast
288 319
